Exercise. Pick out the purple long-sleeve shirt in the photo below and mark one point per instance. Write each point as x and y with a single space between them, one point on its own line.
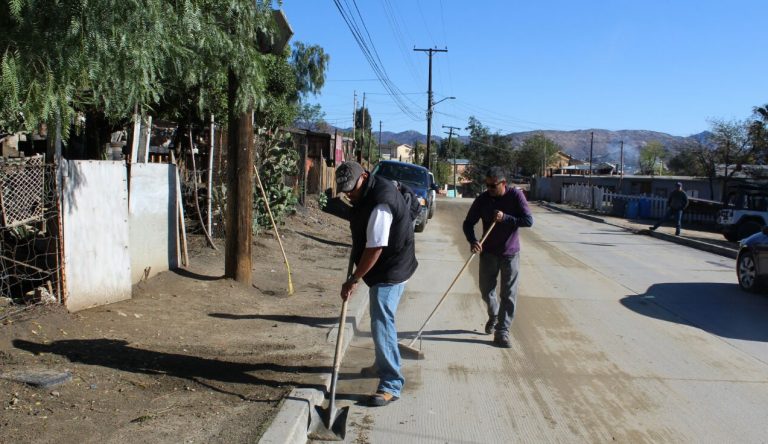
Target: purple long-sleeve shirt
504 239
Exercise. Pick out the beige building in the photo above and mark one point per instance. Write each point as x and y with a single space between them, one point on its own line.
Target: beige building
403 153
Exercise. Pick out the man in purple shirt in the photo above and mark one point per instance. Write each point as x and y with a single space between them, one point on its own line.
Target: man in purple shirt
500 253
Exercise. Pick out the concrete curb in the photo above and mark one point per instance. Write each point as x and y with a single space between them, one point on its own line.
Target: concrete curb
292 420
692 243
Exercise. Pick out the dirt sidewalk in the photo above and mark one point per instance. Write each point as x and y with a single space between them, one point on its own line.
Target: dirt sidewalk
192 357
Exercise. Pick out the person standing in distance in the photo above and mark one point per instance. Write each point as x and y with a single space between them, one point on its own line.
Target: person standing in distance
676 203
385 258
500 253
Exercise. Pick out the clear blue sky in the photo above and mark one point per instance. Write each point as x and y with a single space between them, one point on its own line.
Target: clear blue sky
666 66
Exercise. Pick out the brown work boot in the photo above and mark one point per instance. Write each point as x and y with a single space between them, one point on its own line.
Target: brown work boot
502 341
381 398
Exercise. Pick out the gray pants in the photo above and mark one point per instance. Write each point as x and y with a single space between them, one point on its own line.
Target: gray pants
502 308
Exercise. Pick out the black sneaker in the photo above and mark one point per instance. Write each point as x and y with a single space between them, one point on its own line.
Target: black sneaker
489 325
651 228
502 341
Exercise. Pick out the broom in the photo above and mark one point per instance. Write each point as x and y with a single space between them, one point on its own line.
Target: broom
274 226
409 350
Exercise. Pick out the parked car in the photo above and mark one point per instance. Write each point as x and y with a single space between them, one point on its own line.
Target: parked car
416 177
433 187
752 261
745 213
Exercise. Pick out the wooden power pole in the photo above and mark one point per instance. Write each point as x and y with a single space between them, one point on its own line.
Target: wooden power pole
239 212
427 153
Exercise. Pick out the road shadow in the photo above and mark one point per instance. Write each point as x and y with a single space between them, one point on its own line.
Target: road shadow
324 241
408 335
488 341
119 355
617 232
199 277
718 308
311 321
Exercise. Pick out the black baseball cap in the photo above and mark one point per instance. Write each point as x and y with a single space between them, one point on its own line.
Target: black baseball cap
346 176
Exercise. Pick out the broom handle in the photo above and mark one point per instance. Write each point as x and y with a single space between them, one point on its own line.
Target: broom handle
274 226
418 335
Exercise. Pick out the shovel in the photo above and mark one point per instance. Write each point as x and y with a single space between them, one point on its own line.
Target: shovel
408 350
331 424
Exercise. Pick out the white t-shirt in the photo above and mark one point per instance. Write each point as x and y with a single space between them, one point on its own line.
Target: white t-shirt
379 223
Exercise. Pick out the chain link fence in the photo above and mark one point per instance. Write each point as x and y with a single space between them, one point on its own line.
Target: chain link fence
30 268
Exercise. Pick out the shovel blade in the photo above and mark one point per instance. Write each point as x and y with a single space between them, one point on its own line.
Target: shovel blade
319 424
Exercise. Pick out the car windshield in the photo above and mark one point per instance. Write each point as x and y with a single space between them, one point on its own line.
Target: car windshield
403 173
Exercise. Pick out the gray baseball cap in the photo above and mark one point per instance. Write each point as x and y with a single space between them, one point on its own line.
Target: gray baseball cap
346 176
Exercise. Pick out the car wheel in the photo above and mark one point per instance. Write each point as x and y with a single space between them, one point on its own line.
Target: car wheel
746 271
747 229
431 210
420 227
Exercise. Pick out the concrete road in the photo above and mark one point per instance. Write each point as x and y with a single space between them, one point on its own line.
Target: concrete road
617 337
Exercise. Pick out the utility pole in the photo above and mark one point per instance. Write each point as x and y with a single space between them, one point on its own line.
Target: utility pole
543 155
362 131
354 124
240 163
379 139
591 144
239 211
621 165
429 103
370 137
450 135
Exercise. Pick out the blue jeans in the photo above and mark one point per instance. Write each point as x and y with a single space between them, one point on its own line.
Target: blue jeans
383 306
677 215
503 307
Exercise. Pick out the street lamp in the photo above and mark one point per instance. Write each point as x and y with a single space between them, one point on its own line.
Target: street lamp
446 98
427 157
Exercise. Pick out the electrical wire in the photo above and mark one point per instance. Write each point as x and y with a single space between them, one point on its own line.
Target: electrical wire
392 19
371 55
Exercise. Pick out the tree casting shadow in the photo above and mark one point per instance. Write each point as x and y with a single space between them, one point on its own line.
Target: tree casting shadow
117 354
311 321
721 309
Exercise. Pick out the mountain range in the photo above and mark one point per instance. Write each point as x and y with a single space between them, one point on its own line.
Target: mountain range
606 146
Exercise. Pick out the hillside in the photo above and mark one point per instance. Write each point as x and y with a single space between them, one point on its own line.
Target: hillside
607 144
606 147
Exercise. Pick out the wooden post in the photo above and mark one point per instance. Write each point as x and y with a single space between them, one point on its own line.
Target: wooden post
197 199
303 173
181 247
210 176
147 136
135 138
61 285
237 262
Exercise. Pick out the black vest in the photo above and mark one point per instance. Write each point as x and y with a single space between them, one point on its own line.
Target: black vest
397 262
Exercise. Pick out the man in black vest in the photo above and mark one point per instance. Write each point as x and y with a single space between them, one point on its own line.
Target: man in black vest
385 258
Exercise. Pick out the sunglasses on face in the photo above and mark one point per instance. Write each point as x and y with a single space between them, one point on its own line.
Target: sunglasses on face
494 184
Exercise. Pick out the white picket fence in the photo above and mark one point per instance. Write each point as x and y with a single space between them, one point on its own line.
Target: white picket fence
580 195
